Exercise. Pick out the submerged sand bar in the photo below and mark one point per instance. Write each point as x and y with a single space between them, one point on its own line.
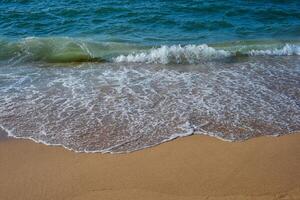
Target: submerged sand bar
196 167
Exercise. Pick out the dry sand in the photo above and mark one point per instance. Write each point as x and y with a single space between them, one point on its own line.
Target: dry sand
196 167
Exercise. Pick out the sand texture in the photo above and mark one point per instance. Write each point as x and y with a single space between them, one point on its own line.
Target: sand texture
195 167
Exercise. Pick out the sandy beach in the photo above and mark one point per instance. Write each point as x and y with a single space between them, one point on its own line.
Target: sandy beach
196 167
149 100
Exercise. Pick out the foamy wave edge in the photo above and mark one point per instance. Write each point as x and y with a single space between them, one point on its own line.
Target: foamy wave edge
78 50
107 151
192 54
174 54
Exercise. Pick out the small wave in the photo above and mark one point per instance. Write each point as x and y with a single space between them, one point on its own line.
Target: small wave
286 50
175 54
68 50
61 50
192 54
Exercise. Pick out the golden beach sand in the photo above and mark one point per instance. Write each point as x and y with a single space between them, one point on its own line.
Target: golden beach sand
195 167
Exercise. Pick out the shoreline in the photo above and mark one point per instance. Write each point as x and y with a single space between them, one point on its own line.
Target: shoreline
5 136
194 167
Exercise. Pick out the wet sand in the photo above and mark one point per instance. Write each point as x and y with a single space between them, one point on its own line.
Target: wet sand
3 135
195 167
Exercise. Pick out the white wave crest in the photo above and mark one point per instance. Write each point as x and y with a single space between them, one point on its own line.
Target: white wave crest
286 50
175 54
192 54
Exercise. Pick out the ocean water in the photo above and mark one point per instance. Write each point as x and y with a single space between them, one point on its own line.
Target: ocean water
118 76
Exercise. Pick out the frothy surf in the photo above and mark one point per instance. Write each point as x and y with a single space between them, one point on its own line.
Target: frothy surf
175 54
113 107
192 54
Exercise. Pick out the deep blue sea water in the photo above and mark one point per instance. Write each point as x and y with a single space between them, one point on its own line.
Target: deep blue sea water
152 22
118 76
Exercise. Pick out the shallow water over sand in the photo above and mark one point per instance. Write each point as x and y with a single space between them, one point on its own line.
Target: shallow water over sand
120 107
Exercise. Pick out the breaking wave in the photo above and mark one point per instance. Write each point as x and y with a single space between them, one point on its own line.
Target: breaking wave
175 54
68 50
286 50
192 54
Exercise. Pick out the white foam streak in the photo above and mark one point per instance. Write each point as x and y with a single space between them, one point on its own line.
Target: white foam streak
191 54
286 50
174 54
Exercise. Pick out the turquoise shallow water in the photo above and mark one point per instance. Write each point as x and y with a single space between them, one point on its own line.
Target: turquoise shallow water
118 76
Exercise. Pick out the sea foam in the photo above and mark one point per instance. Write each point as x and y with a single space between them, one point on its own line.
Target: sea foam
175 54
111 107
286 50
192 54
